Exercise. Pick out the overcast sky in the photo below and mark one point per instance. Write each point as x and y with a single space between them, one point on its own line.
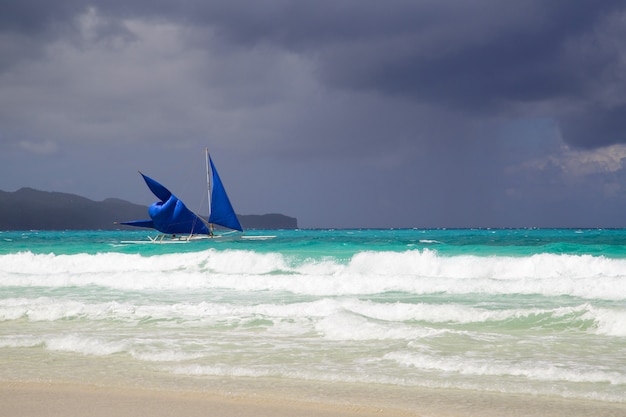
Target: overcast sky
483 113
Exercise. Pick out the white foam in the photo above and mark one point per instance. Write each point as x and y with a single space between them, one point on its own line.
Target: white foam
224 370
344 326
528 369
336 318
164 356
86 345
610 322
419 272
20 341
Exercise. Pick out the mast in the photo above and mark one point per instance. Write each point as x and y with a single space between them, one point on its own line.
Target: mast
208 185
208 177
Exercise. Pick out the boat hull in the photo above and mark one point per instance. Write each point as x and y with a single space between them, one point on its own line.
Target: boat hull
167 240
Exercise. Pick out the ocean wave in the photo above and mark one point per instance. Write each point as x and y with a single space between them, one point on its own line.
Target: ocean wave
526 369
339 319
324 310
414 272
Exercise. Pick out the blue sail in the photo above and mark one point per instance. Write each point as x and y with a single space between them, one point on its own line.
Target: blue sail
222 212
170 215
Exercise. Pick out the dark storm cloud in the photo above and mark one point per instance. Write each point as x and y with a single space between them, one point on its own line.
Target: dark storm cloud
480 56
594 127
486 58
37 16
476 57
480 53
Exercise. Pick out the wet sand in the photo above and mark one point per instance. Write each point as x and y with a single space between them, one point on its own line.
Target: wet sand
64 400
19 399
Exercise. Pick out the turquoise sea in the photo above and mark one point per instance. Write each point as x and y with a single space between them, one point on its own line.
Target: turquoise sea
522 311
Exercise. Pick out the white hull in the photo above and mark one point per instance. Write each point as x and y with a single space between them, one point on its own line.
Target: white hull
166 239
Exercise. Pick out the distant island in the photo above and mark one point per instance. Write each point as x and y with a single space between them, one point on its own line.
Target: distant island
30 209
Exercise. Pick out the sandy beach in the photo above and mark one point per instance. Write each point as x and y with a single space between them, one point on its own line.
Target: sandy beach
37 399
20 399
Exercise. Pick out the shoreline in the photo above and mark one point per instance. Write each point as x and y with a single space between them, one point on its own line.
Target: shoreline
73 399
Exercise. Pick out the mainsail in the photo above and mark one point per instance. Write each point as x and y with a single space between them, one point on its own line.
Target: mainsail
171 216
222 212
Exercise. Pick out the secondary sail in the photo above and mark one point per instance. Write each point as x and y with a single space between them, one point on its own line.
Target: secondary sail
170 215
222 212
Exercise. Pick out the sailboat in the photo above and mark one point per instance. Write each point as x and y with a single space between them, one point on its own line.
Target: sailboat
178 224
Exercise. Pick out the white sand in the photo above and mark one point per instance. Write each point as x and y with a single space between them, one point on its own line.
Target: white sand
21 399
